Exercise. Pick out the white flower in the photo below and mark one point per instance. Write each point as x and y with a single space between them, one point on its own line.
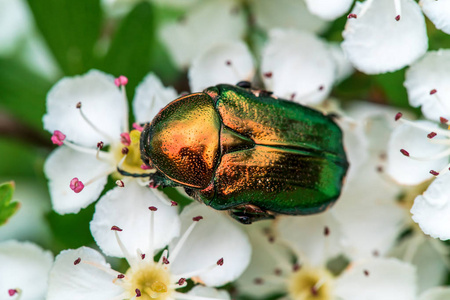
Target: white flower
24 269
297 66
287 14
86 113
228 62
203 26
329 9
372 279
15 22
384 35
136 228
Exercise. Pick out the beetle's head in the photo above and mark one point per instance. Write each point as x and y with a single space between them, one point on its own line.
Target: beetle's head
144 145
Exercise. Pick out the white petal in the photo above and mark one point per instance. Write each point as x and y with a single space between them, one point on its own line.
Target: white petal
308 74
102 103
376 43
316 236
151 96
432 209
436 293
343 66
15 22
430 264
431 72
369 216
438 12
406 170
62 165
24 266
203 26
385 279
269 258
128 208
229 62
215 236
329 9
203 291
286 14
82 281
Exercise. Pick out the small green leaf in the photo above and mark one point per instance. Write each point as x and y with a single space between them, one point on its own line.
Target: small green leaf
71 29
7 207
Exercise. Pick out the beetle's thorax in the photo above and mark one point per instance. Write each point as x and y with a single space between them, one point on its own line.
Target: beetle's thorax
183 140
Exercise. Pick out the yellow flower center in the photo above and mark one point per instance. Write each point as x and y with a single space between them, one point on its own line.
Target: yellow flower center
311 284
132 163
151 279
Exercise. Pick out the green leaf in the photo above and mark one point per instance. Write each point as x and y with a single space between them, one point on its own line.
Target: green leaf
71 29
131 48
22 92
7 208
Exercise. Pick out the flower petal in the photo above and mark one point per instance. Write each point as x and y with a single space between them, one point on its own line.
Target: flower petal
436 293
406 170
269 258
25 266
344 68
102 103
151 96
206 245
128 208
16 23
81 281
62 165
378 279
431 72
288 14
208 292
315 237
229 62
309 73
438 12
329 9
432 209
203 26
375 42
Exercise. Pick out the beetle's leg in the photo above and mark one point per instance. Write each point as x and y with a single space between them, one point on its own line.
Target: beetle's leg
247 214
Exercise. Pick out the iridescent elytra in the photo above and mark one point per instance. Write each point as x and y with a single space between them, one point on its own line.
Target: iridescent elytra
239 149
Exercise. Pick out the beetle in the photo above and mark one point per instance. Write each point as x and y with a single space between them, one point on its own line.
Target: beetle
240 149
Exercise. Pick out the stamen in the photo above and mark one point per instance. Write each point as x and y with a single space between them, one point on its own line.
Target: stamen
366 273
268 74
124 250
309 94
58 138
352 16
138 127
138 293
220 262
230 64
12 292
435 94
200 271
102 268
182 281
92 124
427 128
197 218
398 9
125 138
365 7
176 250
163 256
151 240
431 135
434 173
427 158
101 175
173 203
121 82
398 116
120 183
145 167
76 185
91 151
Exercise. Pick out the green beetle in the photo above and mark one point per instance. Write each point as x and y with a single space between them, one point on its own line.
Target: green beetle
239 149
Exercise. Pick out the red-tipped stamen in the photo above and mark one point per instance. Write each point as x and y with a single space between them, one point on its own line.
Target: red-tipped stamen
181 281
143 256
76 185
352 16
138 292
398 116
366 273
173 203
12 292
121 276
138 127
153 208
58 138
258 281
77 261
145 167
397 18
326 231
116 228
165 261
220 262
120 183
268 74
125 138
121 81
443 120
404 152
125 150
434 173
433 91
197 218
431 135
